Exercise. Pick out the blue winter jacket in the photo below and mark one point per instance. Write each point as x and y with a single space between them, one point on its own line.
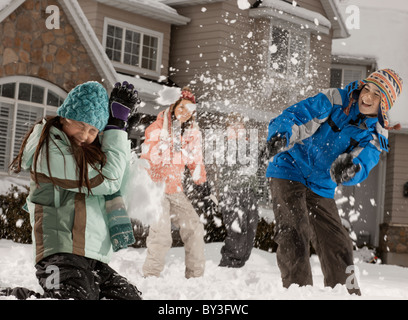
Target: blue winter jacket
318 131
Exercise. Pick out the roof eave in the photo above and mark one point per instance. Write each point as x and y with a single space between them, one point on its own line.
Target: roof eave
13 5
151 12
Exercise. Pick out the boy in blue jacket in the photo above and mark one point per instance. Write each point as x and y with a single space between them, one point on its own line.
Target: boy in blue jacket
333 138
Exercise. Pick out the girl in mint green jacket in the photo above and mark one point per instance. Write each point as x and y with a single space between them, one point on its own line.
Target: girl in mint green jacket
75 207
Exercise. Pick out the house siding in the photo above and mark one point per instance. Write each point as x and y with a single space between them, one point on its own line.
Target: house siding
396 205
223 54
394 230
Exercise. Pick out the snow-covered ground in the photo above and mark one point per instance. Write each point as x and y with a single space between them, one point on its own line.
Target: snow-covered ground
259 279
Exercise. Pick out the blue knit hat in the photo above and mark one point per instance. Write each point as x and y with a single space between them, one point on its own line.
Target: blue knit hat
87 102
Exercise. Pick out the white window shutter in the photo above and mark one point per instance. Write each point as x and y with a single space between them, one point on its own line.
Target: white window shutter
6 122
26 117
350 75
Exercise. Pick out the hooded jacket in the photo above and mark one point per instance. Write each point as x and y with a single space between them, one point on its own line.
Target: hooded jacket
320 129
167 161
64 218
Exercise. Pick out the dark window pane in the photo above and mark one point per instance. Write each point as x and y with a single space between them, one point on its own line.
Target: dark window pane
117 44
111 30
24 92
127 58
8 90
118 32
116 55
37 94
335 78
109 42
109 53
53 99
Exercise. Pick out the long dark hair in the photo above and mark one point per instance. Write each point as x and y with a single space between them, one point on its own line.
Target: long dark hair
173 107
88 155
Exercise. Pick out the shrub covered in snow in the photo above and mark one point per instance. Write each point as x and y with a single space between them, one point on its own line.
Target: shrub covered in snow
14 221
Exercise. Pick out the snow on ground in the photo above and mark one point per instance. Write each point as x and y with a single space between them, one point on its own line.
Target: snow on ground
7 181
259 279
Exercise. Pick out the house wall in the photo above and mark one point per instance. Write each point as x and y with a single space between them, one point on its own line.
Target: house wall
97 12
394 230
209 51
223 54
28 48
396 205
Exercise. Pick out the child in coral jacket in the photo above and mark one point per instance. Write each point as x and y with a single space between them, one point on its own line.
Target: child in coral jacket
173 142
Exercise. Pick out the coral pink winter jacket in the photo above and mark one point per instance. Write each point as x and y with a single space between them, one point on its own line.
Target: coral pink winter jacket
167 162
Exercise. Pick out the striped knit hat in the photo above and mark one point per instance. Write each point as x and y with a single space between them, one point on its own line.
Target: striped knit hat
390 85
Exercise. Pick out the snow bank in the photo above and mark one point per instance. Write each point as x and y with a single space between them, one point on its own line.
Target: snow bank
7 181
259 279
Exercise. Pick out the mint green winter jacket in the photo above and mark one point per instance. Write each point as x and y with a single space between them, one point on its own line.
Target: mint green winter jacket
63 218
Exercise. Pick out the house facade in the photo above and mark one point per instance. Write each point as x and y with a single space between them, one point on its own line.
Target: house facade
394 226
253 61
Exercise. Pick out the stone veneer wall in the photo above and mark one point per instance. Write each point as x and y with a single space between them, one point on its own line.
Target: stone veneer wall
28 48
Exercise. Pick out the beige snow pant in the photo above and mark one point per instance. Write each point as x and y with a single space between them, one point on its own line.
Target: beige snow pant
178 210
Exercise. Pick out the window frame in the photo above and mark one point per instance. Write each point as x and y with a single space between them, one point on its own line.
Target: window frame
292 32
343 67
19 105
121 66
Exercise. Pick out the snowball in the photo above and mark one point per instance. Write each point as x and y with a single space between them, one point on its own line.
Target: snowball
141 195
243 4
168 95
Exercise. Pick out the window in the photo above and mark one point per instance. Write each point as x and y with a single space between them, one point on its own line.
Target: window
23 101
288 50
133 48
342 75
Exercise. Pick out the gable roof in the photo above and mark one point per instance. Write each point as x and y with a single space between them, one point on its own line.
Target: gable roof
148 90
91 43
88 38
8 6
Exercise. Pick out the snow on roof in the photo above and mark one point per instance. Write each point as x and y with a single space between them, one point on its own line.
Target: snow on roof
155 9
188 2
292 13
4 3
7 7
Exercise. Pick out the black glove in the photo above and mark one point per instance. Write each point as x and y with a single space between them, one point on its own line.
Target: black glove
275 145
343 169
122 103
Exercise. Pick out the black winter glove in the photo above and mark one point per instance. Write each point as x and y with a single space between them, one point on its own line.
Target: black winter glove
343 169
275 145
122 103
